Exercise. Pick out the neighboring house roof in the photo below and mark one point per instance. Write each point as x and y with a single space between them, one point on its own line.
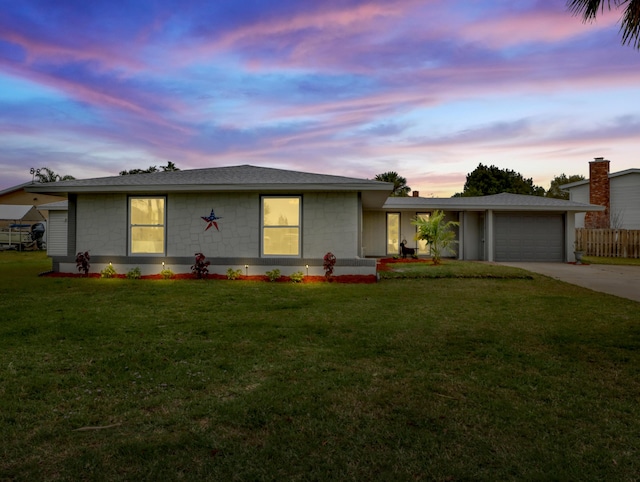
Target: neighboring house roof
502 202
17 212
626 172
13 189
221 179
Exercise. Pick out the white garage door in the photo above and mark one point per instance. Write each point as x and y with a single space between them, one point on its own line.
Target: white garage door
529 237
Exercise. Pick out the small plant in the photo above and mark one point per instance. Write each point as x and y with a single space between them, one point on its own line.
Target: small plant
166 273
273 274
134 273
297 277
438 234
328 264
82 262
200 268
233 273
108 272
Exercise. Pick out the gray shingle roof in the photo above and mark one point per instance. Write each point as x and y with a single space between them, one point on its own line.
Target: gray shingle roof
502 201
223 179
243 177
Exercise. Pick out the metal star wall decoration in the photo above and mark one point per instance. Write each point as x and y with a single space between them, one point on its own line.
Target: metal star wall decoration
211 219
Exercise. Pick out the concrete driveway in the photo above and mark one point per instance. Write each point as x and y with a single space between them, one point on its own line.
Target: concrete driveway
623 281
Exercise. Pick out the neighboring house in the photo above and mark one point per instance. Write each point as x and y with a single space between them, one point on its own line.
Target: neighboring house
18 195
500 227
257 219
618 192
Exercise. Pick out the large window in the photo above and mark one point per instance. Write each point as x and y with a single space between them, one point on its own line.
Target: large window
147 225
281 226
393 233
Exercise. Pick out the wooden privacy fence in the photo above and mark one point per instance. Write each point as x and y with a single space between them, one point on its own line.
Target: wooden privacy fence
615 243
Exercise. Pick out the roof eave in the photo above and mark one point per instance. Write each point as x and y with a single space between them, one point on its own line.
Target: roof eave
178 188
484 207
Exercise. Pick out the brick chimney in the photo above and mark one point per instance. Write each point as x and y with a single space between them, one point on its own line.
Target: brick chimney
416 193
598 194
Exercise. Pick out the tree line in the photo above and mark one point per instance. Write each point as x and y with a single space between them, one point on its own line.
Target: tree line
487 180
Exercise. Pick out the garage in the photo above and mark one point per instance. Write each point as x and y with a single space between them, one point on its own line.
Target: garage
529 237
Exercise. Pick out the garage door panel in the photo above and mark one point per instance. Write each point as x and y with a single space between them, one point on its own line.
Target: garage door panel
529 237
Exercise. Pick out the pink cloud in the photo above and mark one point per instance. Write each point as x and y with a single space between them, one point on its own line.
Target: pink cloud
106 55
534 26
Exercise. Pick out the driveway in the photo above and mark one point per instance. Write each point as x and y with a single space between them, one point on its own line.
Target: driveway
623 281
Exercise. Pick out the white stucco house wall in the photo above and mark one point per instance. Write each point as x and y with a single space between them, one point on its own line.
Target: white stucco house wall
244 217
258 219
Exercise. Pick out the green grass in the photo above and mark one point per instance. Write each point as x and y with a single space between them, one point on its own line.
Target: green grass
616 261
406 379
452 269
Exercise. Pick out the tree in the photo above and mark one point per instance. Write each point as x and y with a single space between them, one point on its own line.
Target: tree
44 174
629 24
400 188
438 234
554 190
169 167
485 180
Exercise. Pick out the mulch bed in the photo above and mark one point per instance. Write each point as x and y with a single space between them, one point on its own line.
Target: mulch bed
182 276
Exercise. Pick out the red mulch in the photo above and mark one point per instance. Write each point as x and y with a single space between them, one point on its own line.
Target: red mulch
180 276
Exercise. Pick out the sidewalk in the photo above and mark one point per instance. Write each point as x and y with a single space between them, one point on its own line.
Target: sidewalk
623 281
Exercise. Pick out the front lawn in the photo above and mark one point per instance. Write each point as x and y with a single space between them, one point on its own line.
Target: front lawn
478 378
447 268
615 261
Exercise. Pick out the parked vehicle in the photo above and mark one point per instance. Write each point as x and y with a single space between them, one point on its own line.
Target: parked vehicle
22 236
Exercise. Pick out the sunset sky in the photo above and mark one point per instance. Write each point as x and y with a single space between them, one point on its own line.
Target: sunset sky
428 89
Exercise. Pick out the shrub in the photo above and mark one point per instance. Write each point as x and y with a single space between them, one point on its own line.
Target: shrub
108 272
200 268
297 277
438 234
82 262
328 264
273 274
166 273
233 273
134 273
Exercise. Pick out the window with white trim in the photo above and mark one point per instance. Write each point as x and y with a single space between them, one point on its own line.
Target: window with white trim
147 225
281 225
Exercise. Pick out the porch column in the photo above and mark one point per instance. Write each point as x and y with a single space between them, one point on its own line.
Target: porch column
461 228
